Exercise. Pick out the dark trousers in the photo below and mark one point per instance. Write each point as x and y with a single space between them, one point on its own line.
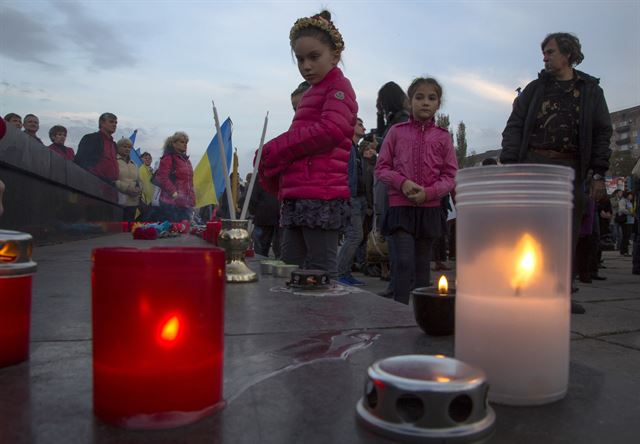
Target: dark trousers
361 253
580 190
452 239
311 248
352 237
129 214
412 269
174 213
588 252
266 237
440 249
636 254
149 213
626 237
595 251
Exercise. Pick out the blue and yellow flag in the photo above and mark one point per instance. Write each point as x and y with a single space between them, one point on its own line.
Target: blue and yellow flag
134 155
208 177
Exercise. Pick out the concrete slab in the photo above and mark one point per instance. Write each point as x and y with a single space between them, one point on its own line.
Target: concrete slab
632 304
631 340
603 319
600 407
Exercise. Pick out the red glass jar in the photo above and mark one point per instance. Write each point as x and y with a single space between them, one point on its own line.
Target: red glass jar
213 231
158 335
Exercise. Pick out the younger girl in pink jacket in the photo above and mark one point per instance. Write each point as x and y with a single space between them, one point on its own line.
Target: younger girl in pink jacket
307 165
418 164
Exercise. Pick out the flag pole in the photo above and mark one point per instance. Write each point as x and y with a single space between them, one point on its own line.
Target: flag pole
223 159
235 179
245 206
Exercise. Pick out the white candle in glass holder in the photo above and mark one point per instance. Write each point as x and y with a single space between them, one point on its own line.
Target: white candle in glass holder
512 320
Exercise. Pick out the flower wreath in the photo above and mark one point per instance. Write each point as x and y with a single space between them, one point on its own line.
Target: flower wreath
322 23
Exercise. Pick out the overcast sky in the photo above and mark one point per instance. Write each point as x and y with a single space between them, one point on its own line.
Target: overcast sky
158 64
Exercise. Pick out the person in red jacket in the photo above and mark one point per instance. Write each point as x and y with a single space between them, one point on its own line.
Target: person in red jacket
307 166
58 135
418 164
97 151
175 179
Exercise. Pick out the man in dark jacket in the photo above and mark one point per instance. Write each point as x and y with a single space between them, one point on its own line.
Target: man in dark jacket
97 151
562 119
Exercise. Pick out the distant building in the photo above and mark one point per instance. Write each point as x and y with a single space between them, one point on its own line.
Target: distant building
476 159
626 130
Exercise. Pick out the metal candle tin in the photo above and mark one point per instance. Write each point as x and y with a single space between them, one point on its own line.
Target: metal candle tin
426 399
309 279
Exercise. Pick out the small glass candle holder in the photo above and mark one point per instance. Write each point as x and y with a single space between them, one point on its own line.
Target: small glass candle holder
434 308
158 335
513 276
16 268
426 399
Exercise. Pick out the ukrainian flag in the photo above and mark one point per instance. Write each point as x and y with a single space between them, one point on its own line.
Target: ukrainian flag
134 155
208 177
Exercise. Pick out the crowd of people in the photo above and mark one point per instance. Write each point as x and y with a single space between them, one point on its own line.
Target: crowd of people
144 194
331 196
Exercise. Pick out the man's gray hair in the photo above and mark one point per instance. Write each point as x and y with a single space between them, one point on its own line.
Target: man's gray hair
569 44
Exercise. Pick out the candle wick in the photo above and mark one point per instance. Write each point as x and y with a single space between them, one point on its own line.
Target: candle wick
517 291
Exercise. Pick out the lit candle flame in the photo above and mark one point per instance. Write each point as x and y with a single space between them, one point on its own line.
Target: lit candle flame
528 259
170 329
443 285
8 252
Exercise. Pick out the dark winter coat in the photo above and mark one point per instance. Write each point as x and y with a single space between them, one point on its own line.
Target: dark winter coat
264 207
594 127
93 157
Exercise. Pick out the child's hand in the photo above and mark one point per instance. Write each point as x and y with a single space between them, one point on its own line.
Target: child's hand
409 188
419 197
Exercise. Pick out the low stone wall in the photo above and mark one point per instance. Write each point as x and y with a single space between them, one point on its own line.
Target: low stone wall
51 198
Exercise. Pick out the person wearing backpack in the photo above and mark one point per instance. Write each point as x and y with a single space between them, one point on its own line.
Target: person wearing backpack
175 179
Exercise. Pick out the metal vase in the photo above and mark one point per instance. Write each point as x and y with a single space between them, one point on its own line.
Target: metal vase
234 238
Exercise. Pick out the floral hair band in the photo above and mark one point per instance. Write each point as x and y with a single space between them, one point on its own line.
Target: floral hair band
317 21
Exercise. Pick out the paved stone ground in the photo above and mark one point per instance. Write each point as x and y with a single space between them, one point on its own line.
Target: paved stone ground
48 398
612 306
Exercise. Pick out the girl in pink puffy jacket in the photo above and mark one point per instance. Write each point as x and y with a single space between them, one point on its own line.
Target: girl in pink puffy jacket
307 166
418 164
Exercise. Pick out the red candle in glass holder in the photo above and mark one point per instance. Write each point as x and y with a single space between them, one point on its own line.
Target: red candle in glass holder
16 268
213 231
158 335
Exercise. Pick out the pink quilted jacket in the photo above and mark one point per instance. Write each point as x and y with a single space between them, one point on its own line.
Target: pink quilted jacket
421 152
310 160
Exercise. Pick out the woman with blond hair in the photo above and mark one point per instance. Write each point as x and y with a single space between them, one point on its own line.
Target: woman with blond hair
175 179
128 182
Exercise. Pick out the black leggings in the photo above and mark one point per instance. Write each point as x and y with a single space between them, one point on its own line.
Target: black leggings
413 264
